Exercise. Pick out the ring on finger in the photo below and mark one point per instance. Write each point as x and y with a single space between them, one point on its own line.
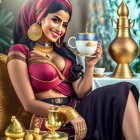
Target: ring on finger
102 50
83 129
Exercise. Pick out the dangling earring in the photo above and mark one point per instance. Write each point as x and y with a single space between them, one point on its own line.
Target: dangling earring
34 32
58 43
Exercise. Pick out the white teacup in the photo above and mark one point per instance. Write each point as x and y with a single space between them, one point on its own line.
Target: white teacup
99 70
86 43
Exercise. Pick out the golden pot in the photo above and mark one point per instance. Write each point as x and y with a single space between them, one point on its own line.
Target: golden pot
15 130
123 48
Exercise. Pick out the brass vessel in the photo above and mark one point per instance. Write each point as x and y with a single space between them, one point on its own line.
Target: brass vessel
123 48
37 135
15 131
29 135
53 123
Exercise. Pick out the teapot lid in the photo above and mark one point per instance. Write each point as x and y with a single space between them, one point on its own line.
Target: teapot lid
86 32
15 129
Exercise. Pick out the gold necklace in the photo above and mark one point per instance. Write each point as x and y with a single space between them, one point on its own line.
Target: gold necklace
45 49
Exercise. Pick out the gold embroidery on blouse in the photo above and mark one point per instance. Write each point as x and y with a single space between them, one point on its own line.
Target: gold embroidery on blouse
16 55
44 81
37 60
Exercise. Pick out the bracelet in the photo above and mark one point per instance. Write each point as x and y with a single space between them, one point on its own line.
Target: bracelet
67 114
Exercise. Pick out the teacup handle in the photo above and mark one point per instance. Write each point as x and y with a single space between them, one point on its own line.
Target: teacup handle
69 42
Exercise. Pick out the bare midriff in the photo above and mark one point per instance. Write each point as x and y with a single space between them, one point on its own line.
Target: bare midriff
48 94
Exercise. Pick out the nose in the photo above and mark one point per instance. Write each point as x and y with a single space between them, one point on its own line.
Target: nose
59 28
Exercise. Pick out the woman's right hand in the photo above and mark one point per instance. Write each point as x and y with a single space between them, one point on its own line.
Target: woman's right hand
80 127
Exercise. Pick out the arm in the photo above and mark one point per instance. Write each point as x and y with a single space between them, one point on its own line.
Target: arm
83 85
18 73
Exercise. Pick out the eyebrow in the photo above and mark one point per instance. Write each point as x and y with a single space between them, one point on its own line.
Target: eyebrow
60 19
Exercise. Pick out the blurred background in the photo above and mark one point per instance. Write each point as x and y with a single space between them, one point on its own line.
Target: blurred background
95 14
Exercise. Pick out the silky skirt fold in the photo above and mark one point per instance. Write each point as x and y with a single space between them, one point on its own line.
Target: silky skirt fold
103 110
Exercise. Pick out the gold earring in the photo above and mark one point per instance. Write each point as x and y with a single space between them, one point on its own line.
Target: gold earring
34 32
58 43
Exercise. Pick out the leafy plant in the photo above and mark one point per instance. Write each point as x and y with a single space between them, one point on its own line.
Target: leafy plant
6 18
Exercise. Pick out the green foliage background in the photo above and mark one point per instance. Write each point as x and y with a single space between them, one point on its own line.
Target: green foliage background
6 40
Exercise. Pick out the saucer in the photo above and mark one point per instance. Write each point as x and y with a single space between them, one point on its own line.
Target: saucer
78 54
99 74
44 132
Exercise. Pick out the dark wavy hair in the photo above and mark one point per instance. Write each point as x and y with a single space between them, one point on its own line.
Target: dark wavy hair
75 70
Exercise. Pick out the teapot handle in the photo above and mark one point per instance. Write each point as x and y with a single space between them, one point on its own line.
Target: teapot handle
133 23
112 23
69 42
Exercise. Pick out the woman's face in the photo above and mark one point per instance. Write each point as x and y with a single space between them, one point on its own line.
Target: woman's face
54 26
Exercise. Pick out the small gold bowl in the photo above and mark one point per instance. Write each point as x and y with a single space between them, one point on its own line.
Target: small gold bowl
99 74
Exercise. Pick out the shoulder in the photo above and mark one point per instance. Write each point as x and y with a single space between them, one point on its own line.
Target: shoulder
19 48
18 51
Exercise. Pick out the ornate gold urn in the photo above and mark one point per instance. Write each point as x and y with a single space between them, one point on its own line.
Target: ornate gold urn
15 130
123 48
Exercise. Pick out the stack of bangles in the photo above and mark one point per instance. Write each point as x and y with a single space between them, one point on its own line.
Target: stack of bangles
67 113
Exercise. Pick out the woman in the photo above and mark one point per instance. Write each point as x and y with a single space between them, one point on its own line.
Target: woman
44 75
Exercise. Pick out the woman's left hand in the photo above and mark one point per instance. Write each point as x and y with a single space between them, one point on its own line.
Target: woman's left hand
91 61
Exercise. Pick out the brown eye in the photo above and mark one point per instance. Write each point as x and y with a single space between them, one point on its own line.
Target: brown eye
65 25
55 19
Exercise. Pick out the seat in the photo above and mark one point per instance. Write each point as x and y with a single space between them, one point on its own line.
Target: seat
9 102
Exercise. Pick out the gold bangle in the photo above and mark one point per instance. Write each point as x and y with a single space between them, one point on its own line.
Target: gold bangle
67 113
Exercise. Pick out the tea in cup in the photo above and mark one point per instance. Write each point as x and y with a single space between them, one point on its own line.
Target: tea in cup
86 43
